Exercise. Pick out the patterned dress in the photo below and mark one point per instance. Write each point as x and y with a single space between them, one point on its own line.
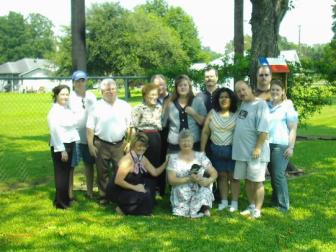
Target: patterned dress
187 199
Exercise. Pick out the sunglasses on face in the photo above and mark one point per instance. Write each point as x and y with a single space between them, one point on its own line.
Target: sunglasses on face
83 103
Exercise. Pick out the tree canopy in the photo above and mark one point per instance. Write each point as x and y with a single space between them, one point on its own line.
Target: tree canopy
153 38
25 37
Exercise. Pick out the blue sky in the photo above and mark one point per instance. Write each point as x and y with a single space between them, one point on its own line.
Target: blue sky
213 18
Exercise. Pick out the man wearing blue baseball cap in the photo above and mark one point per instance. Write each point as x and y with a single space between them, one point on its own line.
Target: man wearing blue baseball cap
81 102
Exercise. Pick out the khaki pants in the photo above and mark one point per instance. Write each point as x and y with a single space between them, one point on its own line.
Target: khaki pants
107 153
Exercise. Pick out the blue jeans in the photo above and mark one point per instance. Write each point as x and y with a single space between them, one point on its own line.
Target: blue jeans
278 166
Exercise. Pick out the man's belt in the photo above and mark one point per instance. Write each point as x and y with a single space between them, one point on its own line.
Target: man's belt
111 143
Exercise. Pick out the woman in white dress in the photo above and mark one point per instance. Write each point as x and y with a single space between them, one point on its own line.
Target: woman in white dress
191 194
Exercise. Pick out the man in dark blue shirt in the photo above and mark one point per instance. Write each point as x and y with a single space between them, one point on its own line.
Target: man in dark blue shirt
210 80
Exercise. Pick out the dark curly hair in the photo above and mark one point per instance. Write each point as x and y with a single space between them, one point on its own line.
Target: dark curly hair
233 99
56 90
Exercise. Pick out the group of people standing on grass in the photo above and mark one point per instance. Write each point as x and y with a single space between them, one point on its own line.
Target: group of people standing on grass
191 141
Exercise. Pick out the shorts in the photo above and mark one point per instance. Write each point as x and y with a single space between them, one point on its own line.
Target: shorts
253 170
221 157
81 151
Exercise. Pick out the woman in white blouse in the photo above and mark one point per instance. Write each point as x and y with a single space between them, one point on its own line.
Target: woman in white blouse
63 135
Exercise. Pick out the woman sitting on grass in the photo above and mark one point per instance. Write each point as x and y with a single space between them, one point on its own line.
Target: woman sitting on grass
282 135
129 189
191 194
63 135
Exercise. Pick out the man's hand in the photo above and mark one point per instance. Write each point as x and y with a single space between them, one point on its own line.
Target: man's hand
256 153
93 150
64 156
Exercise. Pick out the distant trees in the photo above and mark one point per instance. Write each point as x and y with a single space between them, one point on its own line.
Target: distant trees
152 38
25 37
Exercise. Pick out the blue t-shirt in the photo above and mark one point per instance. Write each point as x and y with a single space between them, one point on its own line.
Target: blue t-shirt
253 119
281 116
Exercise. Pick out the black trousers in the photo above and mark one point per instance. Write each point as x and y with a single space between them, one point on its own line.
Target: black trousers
62 176
153 154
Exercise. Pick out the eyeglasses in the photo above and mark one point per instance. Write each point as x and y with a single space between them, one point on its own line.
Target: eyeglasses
262 75
83 103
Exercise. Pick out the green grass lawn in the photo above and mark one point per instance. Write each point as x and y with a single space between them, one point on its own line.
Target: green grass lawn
322 124
29 222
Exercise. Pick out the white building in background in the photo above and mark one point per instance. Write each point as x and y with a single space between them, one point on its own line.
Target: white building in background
229 82
31 68
290 56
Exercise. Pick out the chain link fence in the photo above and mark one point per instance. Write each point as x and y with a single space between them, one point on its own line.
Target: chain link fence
24 134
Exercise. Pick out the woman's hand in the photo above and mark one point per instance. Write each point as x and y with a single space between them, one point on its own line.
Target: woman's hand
140 188
64 156
204 182
127 147
288 152
190 111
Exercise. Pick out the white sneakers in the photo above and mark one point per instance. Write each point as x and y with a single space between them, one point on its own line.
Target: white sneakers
248 210
224 204
252 212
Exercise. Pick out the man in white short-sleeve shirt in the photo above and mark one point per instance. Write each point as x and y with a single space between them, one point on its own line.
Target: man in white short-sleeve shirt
250 146
81 101
107 126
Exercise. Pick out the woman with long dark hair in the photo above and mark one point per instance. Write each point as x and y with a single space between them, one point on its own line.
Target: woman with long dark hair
219 126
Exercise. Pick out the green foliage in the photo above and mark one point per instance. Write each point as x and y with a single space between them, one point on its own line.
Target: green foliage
226 72
307 97
184 25
121 42
328 61
334 17
229 48
25 37
62 57
177 19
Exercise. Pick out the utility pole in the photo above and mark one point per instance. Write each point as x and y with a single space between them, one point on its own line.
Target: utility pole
78 35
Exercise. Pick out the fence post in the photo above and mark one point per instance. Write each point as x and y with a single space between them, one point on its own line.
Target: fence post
126 89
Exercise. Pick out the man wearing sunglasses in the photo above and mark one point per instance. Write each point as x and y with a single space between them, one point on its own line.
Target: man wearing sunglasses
81 102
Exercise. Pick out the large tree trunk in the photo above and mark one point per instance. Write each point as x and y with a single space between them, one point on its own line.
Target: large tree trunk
78 35
266 18
238 40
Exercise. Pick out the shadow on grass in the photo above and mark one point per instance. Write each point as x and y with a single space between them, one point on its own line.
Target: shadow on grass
318 130
24 161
